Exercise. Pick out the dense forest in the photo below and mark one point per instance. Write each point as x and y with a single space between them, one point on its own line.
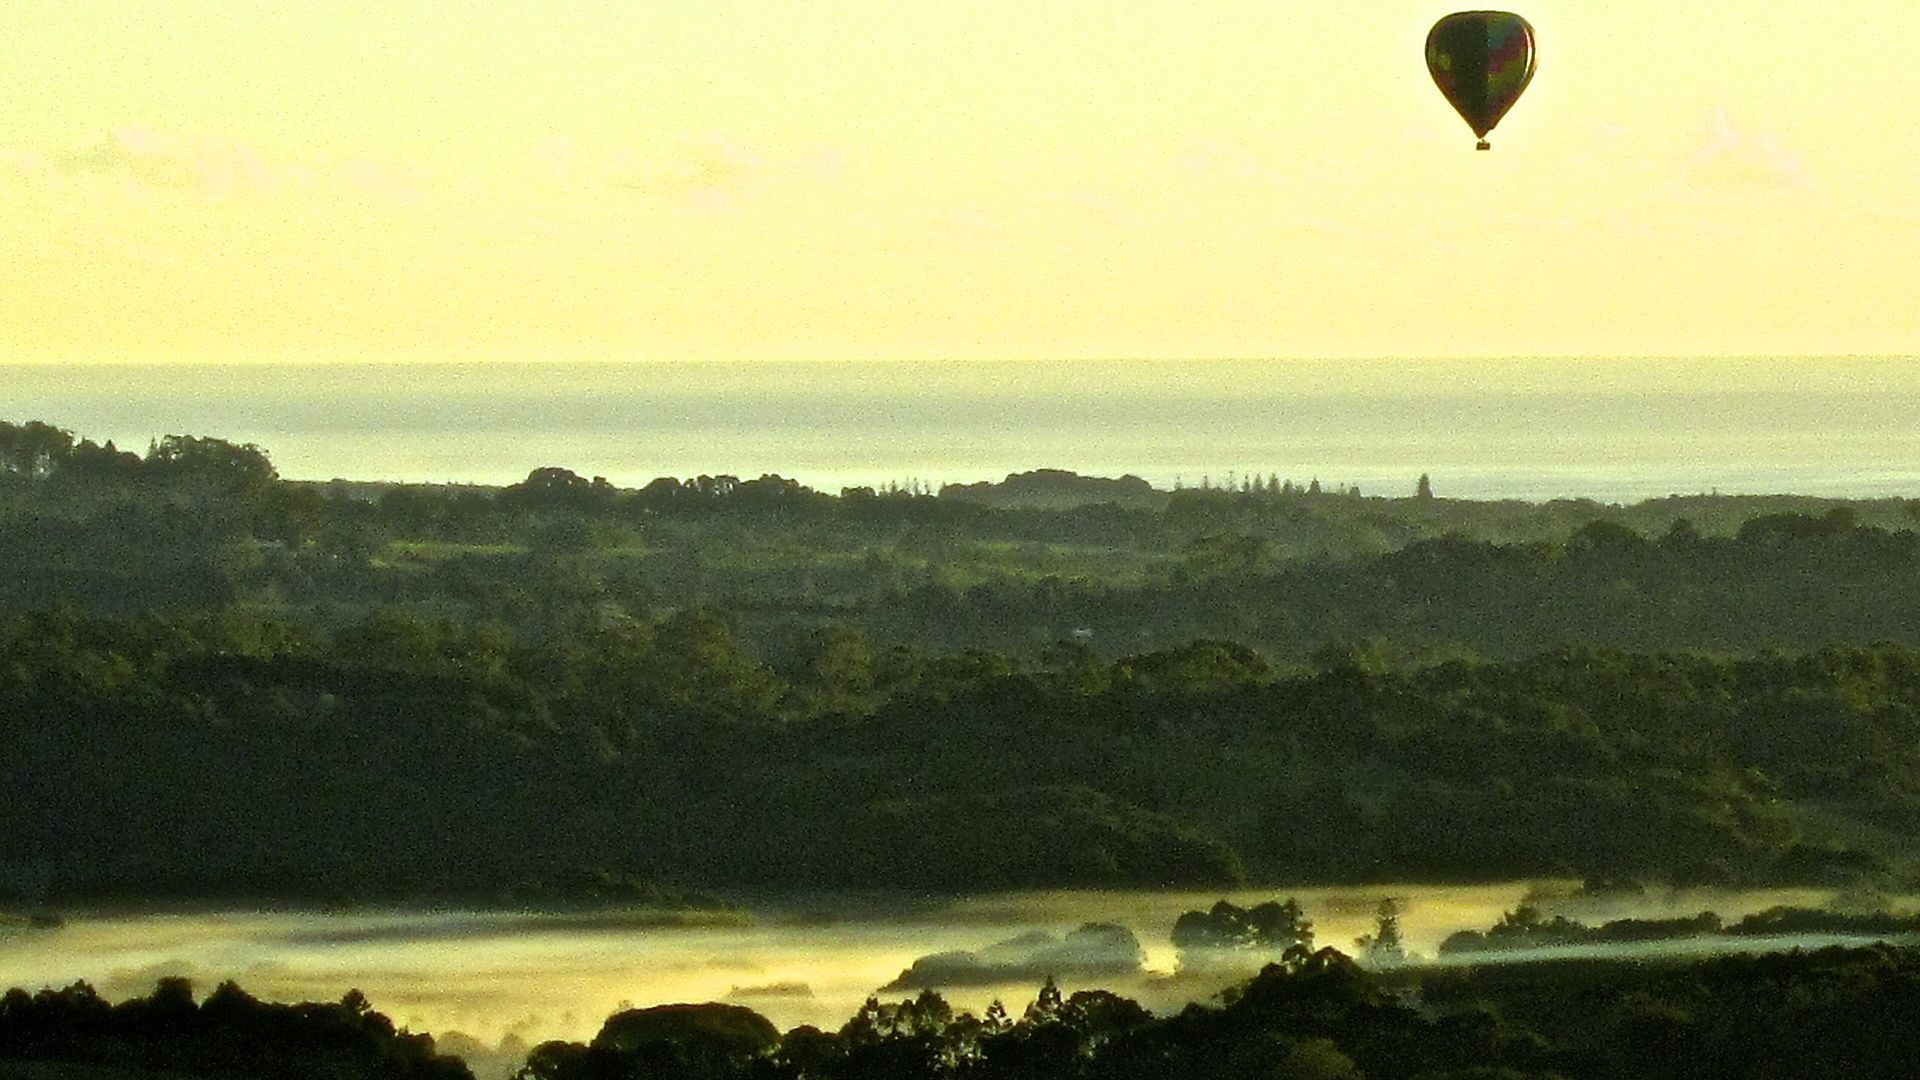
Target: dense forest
400 756
199 523
1835 1013
221 682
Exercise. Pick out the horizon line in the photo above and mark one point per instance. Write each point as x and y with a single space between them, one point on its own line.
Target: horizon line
443 361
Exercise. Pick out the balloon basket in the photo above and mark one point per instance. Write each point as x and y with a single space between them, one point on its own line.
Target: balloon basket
1483 145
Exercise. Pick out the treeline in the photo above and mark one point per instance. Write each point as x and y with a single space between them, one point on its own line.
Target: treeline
405 755
1834 1013
199 523
230 1034
1526 927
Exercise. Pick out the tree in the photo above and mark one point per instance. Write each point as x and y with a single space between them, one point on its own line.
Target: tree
568 535
726 1030
837 664
1423 490
1230 936
1384 948
553 487
1683 533
231 468
700 666
555 1060
1048 1006
1281 925
95 462
33 449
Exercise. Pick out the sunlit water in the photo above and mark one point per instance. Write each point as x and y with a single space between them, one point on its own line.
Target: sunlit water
1617 430
795 960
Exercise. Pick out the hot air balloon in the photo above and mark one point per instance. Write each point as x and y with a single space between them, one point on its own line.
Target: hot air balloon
1481 60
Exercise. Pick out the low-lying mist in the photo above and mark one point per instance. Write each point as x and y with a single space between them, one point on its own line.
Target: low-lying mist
798 960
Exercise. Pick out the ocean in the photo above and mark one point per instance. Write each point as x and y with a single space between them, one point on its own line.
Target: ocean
1615 430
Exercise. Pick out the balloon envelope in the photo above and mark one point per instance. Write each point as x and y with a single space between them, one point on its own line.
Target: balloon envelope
1481 60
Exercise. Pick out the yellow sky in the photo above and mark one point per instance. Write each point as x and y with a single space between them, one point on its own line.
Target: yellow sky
201 179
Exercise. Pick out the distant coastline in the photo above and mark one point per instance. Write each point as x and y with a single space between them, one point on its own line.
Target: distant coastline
1610 430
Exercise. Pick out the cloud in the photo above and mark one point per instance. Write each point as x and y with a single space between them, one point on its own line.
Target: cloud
138 157
157 159
1727 155
705 172
28 163
712 172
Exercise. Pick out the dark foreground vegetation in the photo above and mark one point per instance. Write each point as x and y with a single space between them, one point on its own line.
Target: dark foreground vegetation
73 1034
216 682
1834 1013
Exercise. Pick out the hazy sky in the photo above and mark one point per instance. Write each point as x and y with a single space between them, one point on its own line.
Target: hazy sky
203 179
